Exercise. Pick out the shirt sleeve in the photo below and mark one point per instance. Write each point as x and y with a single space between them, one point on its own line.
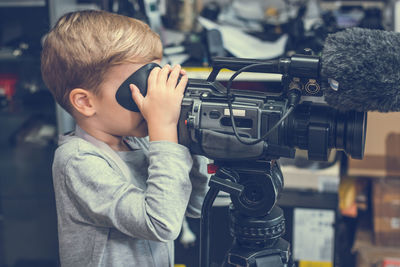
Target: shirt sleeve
199 179
107 199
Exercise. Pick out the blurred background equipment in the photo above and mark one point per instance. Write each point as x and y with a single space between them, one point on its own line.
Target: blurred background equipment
336 214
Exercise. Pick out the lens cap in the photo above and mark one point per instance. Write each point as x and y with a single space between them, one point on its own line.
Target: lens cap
138 78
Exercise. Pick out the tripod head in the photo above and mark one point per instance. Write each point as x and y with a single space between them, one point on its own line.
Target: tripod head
262 182
256 222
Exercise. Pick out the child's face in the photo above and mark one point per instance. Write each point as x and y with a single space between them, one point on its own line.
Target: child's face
111 117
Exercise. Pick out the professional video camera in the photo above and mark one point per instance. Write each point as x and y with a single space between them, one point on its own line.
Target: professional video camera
245 132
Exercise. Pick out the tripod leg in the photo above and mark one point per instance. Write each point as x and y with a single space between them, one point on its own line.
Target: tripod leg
205 227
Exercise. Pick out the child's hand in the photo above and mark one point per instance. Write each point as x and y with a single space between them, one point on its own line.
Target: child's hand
162 104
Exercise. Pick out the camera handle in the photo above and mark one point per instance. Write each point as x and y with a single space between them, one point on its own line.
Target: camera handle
300 65
257 230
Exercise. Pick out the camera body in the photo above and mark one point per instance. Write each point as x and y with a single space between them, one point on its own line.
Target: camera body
206 128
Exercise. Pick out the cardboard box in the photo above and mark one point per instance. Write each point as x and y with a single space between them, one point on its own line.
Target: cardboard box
391 262
382 147
386 212
367 253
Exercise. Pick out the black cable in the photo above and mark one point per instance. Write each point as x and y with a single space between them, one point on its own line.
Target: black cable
228 88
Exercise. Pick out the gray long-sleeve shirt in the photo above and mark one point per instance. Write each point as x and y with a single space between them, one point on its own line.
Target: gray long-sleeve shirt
123 210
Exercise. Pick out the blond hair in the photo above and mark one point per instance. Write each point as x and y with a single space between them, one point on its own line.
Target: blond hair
83 45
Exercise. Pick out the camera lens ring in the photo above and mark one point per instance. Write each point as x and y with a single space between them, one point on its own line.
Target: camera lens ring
355 134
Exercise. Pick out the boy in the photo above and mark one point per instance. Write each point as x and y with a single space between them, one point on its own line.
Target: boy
120 200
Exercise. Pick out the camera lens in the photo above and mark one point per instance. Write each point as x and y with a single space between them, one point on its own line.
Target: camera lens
318 128
351 132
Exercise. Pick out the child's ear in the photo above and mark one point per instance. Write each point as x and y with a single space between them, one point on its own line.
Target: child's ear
82 101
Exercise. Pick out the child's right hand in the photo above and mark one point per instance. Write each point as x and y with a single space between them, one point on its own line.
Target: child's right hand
162 104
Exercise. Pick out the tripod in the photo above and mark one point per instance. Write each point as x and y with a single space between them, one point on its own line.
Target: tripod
255 221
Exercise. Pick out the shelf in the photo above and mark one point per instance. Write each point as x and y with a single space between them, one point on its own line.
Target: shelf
22 3
334 5
224 75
